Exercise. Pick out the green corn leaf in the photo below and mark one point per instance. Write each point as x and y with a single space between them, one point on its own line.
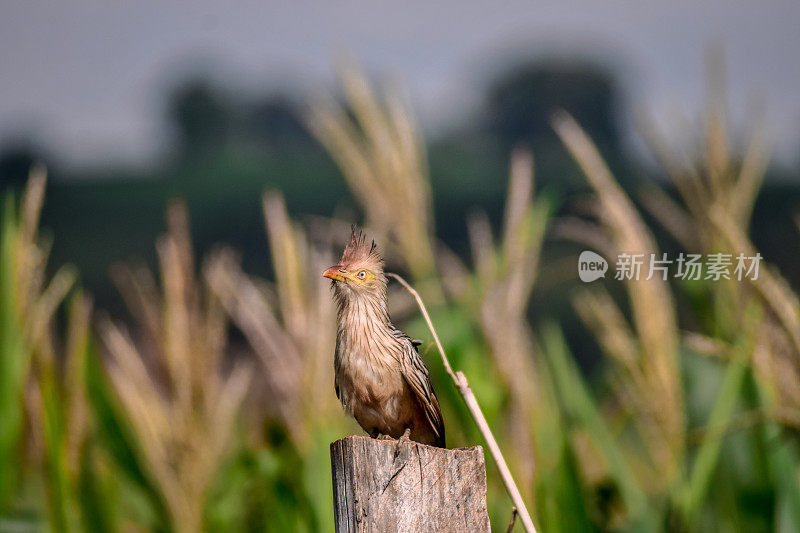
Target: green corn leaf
116 433
782 458
561 504
54 429
580 409
691 497
14 361
784 466
561 500
96 505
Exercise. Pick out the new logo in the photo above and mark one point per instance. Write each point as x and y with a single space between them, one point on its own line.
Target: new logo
591 266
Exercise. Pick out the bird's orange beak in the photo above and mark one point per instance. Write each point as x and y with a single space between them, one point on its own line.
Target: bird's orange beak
334 273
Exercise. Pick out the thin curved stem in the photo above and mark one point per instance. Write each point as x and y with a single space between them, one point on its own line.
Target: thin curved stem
460 381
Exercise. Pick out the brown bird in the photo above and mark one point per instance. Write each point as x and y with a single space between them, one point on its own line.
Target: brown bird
380 378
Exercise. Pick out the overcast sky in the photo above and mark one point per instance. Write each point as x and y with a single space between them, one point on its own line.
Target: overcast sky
86 77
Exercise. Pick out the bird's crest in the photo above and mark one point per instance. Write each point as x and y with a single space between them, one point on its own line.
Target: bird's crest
358 251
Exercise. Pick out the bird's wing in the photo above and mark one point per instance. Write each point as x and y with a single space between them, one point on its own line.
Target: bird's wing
416 375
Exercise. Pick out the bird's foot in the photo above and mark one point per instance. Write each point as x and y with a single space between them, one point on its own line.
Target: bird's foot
405 437
386 437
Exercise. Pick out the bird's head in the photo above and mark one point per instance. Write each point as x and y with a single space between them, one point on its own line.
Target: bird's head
360 271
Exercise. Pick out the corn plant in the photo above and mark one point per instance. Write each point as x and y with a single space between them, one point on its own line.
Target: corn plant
180 397
751 326
383 160
44 415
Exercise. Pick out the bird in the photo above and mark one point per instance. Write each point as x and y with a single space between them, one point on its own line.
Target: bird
379 376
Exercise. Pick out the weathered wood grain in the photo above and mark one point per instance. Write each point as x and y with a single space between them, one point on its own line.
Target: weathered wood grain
403 487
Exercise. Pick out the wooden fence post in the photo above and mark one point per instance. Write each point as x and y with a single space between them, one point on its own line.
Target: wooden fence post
404 487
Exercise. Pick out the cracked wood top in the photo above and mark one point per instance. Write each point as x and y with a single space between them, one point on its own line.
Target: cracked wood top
395 486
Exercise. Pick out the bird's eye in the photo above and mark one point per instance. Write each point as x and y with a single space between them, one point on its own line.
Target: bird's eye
361 274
